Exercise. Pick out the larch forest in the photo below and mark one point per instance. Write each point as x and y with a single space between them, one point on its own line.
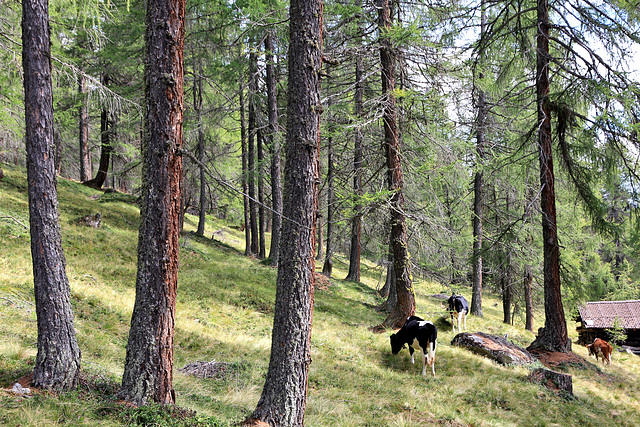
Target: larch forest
216 213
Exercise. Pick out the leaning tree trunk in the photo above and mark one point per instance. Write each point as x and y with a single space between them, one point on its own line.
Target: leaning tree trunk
148 370
57 363
274 143
406 305
283 398
553 337
356 221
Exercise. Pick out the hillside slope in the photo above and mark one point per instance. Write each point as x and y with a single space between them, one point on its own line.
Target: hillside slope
224 315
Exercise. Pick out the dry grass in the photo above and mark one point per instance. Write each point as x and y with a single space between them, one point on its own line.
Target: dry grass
224 314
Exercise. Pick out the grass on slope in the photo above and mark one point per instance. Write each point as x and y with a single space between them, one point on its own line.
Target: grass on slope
224 314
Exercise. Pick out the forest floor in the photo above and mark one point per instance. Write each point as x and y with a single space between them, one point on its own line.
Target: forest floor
223 328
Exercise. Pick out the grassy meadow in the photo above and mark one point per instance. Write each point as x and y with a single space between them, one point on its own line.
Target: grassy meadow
224 314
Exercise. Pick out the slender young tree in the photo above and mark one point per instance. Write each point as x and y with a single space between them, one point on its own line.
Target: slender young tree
197 106
83 130
251 152
245 175
57 363
406 304
148 370
274 143
283 398
478 182
356 221
262 219
327 266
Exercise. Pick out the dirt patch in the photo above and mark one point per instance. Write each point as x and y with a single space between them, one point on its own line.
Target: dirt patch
321 282
558 360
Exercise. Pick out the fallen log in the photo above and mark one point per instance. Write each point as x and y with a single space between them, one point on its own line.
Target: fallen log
493 347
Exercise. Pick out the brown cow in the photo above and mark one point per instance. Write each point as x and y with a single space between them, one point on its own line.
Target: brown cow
602 349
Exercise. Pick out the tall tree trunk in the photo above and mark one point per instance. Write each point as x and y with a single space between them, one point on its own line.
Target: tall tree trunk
148 370
245 175
327 267
251 176
262 225
356 221
107 130
283 398
58 359
274 143
197 106
478 185
553 337
83 130
406 305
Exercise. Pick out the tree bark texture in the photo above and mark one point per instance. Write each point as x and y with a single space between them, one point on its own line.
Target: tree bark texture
283 398
148 371
406 304
553 337
58 359
356 221
274 143
83 131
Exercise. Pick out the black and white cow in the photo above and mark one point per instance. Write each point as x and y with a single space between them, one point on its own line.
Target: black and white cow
417 334
459 308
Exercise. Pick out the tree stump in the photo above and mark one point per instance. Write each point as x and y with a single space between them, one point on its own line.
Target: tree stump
552 380
493 347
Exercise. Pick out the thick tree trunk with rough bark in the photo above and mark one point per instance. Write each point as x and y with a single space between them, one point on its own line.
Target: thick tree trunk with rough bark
406 305
148 370
57 363
274 143
284 395
553 337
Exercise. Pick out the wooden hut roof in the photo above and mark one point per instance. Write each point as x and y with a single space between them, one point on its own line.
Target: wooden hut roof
603 314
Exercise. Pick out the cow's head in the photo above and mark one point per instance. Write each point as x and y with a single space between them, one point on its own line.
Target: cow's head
396 344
